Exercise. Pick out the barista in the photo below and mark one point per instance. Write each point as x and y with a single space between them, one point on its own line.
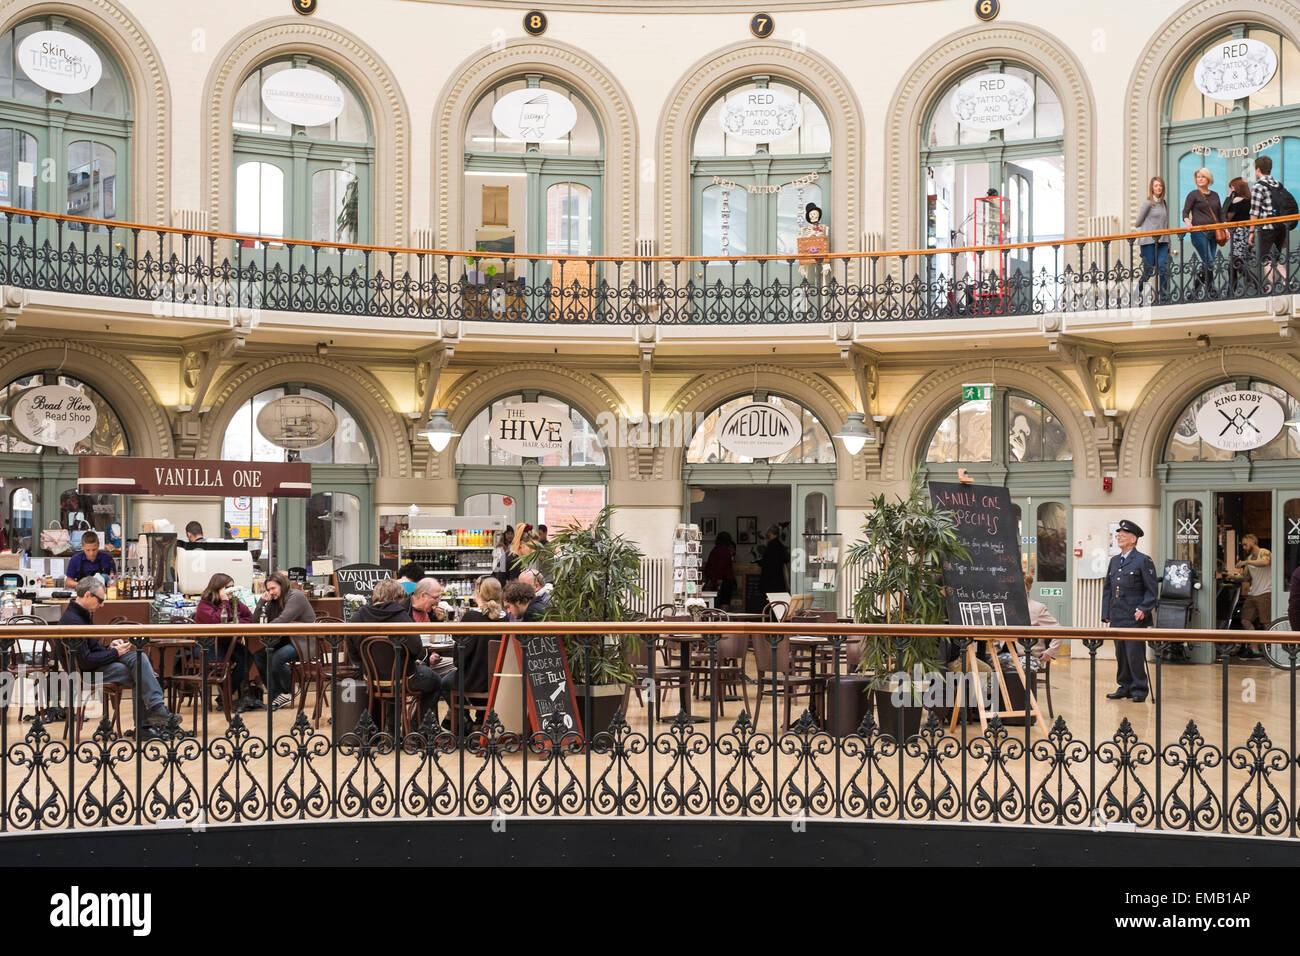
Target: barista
90 561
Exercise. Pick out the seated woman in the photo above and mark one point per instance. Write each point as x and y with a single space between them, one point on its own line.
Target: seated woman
475 661
281 604
388 605
216 606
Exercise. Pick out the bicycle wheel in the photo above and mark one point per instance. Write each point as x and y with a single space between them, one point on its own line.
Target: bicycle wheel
1275 654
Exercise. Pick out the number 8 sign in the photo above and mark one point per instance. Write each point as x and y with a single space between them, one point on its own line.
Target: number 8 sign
534 23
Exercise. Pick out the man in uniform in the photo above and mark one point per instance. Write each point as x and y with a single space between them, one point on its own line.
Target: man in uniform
1128 600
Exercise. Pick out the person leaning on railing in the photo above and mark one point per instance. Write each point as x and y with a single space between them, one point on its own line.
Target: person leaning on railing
1153 215
1202 208
116 662
1265 197
281 604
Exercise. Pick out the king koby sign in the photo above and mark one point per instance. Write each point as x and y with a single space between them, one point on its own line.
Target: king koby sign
1239 421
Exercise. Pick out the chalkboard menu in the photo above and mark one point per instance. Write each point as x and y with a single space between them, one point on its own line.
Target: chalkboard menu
358 580
988 588
549 685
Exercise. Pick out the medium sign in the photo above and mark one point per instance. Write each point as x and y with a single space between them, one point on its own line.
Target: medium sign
534 116
303 97
54 415
759 430
59 62
992 101
1239 421
988 587
1235 68
103 474
531 429
761 116
297 422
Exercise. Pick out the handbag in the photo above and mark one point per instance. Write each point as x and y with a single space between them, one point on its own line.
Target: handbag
55 539
1221 236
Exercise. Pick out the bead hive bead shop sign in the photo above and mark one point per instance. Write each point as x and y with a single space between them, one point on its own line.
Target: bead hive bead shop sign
531 429
759 430
54 415
303 97
992 101
102 474
1234 69
761 116
1239 421
59 62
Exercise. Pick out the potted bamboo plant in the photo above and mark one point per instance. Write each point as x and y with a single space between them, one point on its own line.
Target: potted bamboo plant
902 551
595 576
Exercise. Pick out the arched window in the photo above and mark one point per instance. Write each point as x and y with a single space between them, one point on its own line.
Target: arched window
750 197
243 441
814 446
1032 433
477 448
297 181
534 173
1197 126
107 438
1186 442
962 159
63 152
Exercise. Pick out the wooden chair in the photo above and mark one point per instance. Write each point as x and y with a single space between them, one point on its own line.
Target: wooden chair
387 687
37 670
315 664
727 672
459 702
112 692
190 682
778 678
813 661
666 678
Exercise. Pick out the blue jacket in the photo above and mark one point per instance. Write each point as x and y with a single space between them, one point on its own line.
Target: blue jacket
80 567
91 654
1130 586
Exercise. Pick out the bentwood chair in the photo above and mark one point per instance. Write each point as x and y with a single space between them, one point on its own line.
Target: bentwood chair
777 677
315 664
82 679
459 702
34 665
726 678
388 688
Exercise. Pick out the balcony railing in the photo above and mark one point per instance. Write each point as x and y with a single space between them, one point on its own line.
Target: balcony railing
187 273
1199 756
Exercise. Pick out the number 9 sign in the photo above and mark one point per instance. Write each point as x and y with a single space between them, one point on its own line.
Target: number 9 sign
305 7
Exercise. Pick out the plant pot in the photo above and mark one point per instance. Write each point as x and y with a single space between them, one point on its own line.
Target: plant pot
606 699
898 722
847 702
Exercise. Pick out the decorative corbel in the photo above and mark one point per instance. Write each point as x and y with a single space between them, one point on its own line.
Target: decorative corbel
429 365
13 300
1095 364
1288 329
200 359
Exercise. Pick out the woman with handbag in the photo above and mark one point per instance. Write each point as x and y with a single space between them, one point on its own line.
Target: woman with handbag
218 606
1202 208
281 604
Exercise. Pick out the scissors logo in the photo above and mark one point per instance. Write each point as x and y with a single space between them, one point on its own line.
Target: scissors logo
1239 421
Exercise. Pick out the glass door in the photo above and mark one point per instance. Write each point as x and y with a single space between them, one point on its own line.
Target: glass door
1185 537
569 223
19 514
815 574
1018 187
1044 529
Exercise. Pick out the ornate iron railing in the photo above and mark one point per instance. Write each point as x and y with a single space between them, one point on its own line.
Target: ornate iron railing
1215 760
188 273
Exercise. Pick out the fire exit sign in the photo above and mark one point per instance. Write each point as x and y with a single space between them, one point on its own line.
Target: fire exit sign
1051 592
976 393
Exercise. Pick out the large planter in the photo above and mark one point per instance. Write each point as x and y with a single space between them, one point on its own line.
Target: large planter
847 702
606 699
898 722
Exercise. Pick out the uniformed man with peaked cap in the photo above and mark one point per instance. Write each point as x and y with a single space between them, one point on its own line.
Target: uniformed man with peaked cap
1129 600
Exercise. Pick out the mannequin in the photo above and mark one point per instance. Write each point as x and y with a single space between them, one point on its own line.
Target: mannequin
816 239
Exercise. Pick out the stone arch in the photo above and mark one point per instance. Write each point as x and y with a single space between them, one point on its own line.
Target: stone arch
1180 35
1156 410
919 412
590 395
705 393
148 430
935 69
370 76
151 106
479 73
707 77
365 397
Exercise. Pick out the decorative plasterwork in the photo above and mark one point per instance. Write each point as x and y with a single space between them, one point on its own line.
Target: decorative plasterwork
932 396
715 72
473 391
369 75
148 431
1157 409
558 61
705 393
384 424
136 54
1182 34
935 69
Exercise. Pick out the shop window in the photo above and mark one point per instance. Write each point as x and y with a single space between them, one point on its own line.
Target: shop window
1033 433
476 446
963 435
244 442
80 512
1051 546
333 528
19 532
1291 540
92 180
1186 444
494 504
814 445
107 438
559 506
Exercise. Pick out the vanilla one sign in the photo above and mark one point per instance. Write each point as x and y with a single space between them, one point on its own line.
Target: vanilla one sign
210 479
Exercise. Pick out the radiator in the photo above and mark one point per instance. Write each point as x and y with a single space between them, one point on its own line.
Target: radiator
191 220
645 275
1087 602
654 585
423 238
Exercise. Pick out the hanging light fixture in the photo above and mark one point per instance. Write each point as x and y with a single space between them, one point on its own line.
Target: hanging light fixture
439 430
854 434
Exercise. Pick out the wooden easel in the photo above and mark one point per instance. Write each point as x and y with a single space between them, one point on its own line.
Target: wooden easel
973 668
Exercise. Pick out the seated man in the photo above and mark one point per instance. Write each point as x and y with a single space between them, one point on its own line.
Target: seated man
541 589
522 603
424 602
116 662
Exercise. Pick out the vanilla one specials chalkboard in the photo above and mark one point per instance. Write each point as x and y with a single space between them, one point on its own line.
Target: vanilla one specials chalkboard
988 588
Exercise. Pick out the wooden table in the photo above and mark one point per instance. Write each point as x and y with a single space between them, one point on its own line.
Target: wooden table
135 611
684 642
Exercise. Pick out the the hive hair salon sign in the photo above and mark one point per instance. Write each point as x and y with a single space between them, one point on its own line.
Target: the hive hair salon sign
108 475
303 97
761 116
59 62
1235 68
759 430
54 415
992 101
531 429
297 422
1239 421
534 116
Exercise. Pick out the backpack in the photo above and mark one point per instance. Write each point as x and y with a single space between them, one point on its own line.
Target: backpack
1284 204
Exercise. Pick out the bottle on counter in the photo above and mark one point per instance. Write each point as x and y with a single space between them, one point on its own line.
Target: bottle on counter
110 593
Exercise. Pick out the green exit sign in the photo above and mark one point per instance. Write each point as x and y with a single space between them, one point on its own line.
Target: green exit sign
1051 592
976 393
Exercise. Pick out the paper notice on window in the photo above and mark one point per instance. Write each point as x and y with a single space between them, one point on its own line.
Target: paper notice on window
26 175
